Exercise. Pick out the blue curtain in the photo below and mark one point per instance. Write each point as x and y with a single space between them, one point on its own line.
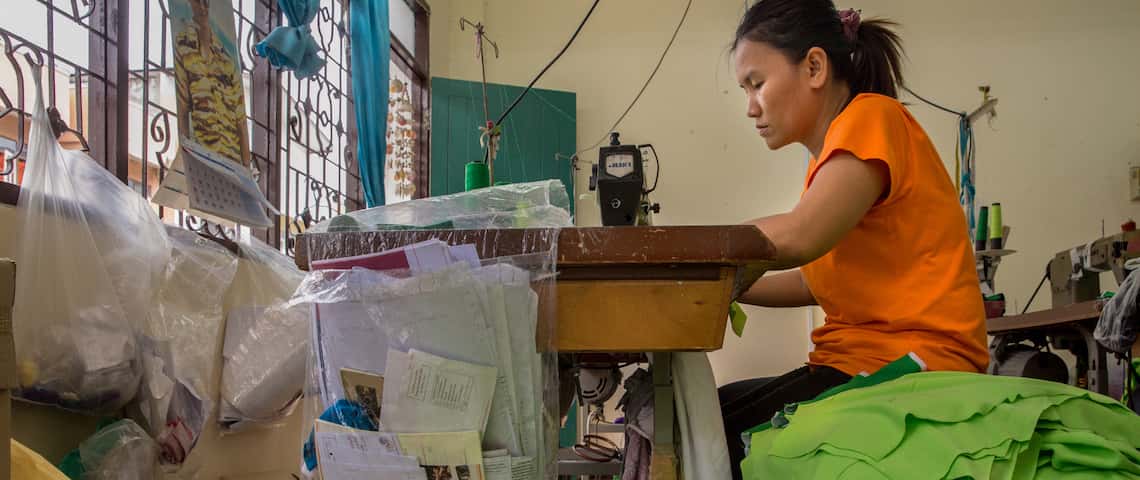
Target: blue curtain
370 57
292 47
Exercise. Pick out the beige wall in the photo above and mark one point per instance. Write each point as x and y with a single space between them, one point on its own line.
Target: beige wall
1056 157
715 170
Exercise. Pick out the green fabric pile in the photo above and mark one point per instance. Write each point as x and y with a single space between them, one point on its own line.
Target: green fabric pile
953 425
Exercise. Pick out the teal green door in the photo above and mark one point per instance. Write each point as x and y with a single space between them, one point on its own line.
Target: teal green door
542 125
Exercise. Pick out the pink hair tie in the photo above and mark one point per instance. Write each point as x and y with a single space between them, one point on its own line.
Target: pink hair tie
850 20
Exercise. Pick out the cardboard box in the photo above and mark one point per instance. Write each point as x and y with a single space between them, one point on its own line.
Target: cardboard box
7 363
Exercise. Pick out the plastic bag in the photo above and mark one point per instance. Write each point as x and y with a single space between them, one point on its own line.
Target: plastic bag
520 205
120 451
97 249
265 348
435 361
1120 318
180 349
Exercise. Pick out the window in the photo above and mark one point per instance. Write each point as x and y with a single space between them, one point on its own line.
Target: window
302 133
407 157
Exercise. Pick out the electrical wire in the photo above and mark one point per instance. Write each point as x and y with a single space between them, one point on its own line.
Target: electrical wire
1038 289
548 65
935 105
652 74
657 160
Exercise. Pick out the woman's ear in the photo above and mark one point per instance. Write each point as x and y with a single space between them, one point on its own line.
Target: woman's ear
818 67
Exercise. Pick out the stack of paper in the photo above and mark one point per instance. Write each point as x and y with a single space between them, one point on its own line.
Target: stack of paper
499 465
447 455
350 454
449 349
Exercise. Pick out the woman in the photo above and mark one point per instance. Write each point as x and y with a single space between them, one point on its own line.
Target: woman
878 232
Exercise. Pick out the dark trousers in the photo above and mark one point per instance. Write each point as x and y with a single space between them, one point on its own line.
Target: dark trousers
748 403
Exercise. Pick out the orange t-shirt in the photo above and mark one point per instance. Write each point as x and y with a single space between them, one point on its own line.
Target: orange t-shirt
903 280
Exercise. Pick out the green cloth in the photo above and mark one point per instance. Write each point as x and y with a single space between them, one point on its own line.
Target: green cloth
934 425
738 318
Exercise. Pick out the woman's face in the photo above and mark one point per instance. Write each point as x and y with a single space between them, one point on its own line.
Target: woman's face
780 98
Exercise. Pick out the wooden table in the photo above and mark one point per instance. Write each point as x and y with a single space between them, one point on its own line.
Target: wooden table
1075 321
619 289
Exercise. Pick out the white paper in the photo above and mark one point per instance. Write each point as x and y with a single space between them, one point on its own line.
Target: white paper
497 468
373 472
361 448
523 468
503 426
219 186
465 253
446 453
347 338
428 393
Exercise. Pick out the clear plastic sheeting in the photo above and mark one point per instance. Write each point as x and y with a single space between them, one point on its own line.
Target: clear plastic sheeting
91 251
181 343
120 451
520 205
433 370
266 347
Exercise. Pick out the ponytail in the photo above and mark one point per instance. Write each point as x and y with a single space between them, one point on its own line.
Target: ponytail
867 54
876 64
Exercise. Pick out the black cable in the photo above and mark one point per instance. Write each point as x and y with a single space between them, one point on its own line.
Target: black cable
656 159
652 74
1038 289
548 65
935 105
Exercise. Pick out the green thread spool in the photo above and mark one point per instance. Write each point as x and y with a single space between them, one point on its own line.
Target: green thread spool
995 226
476 176
982 232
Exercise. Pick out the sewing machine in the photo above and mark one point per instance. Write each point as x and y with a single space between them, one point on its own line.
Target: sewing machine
619 179
1074 274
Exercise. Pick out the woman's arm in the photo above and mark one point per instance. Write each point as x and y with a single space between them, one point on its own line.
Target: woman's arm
843 190
784 289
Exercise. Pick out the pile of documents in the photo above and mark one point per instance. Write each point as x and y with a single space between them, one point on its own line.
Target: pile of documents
436 349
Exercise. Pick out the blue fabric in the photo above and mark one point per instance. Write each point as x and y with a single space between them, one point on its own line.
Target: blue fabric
371 49
292 47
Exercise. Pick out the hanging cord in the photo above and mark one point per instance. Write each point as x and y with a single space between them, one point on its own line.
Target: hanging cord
1038 289
657 160
548 65
652 74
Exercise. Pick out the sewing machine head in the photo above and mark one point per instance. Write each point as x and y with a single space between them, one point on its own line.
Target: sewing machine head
1075 273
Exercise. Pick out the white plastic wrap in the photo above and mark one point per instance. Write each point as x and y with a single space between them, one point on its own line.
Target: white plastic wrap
180 349
92 250
266 346
120 451
448 363
520 205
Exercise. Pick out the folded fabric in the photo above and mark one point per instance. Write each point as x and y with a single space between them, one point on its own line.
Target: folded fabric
949 425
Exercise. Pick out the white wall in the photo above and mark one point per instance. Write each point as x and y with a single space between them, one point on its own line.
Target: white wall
1067 128
1068 120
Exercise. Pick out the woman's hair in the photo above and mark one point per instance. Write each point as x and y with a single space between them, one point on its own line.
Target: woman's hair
869 59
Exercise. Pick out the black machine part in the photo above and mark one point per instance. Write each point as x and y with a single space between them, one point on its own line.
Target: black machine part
1029 362
619 179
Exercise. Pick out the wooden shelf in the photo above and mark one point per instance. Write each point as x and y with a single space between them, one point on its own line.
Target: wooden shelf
1077 312
619 289
980 254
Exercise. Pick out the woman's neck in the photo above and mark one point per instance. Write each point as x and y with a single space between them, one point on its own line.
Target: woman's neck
836 99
